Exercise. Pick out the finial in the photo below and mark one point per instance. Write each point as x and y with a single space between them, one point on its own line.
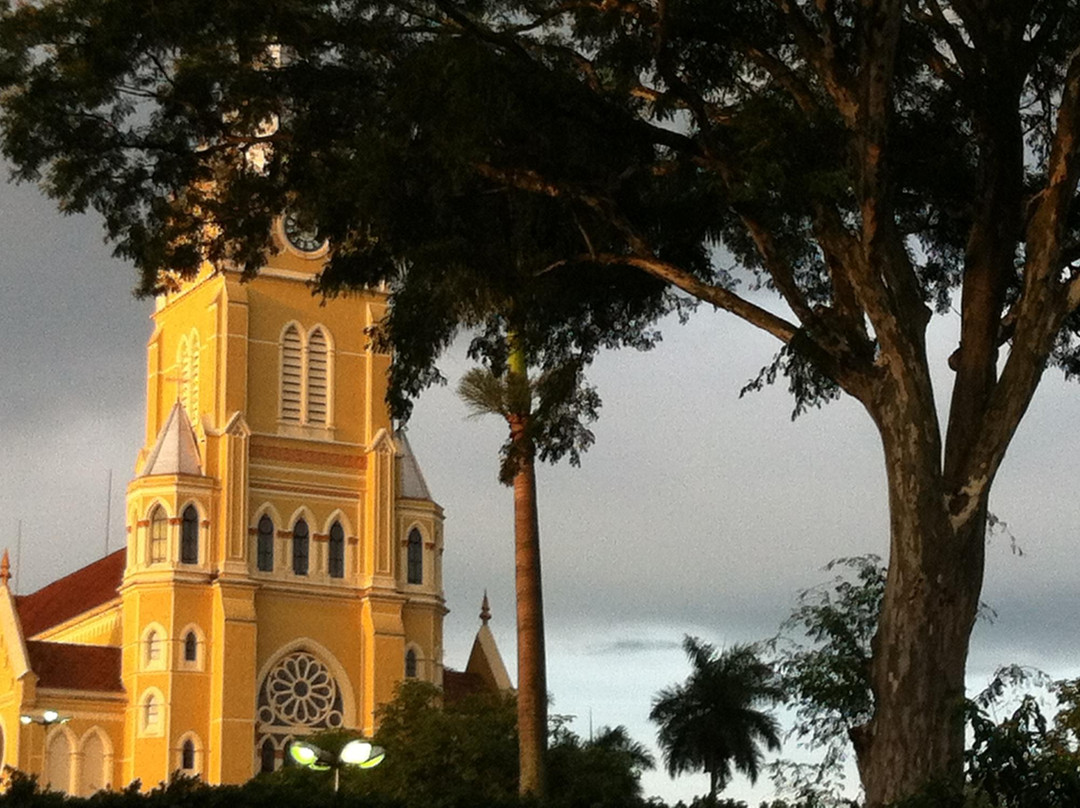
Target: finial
485 610
5 568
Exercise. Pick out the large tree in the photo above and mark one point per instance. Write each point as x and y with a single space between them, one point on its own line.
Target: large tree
870 161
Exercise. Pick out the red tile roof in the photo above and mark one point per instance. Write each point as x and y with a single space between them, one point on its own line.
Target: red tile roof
458 685
75 667
72 595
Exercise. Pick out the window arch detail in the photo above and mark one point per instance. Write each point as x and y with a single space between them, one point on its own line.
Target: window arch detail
59 759
189 754
95 771
189 535
292 374
264 544
307 363
411 663
192 648
157 535
153 648
336 560
301 546
151 713
415 557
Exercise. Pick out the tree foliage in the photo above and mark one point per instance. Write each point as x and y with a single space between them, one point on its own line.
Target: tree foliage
870 162
718 719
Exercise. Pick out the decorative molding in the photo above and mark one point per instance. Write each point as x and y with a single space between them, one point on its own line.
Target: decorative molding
308 456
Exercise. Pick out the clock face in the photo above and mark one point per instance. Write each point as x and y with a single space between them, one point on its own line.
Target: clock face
305 238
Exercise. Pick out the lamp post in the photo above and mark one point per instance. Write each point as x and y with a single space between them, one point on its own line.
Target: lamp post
357 753
46 719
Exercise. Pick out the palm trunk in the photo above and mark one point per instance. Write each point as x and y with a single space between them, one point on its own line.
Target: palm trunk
532 671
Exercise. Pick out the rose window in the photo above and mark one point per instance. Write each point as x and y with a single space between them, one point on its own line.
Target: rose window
300 691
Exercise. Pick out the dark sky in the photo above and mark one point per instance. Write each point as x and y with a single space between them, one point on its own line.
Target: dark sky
696 512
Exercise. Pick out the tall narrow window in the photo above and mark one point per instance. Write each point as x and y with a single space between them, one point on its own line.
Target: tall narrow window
300 548
159 535
153 647
187 755
410 664
416 557
292 370
316 377
337 551
191 647
265 549
189 536
266 756
151 713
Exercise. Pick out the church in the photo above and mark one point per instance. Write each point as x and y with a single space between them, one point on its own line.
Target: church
283 565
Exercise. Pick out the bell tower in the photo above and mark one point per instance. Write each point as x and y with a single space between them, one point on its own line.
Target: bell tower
277 525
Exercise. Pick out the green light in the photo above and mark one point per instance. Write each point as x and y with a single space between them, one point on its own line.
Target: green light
377 755
304 754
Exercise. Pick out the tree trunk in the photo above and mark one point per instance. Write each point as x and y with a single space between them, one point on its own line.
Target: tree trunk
931 597
532 672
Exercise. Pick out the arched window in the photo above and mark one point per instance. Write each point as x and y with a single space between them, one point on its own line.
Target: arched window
189 536
292 374
153 648
151 714
415 557
187 756
337 551
191 647
317 377
265 550
58 762
410 664
300 548
159 535
94 771
266 756
287 759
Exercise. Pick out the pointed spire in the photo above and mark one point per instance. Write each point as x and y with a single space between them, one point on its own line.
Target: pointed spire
175 451
485 610
5 568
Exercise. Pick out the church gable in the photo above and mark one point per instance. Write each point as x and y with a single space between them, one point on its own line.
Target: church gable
85 590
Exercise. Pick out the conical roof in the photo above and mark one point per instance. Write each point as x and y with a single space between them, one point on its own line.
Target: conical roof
413 485
175 451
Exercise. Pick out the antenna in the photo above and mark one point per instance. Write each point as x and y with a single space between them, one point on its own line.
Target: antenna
108 512
18 556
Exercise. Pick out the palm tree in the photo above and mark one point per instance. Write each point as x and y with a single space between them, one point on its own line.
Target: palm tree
713 721
544 414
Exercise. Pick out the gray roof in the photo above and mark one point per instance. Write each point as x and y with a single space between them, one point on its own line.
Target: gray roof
413 485
175 451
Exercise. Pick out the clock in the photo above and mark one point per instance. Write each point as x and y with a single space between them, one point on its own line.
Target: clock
303 237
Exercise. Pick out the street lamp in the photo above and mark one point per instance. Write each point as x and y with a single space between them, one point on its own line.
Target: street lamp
357 753
46 719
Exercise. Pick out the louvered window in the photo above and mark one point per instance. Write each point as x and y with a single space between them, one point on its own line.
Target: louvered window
292 370
317 377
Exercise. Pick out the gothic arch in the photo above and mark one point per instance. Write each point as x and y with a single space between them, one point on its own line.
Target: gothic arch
96 760
59 758
153 647
199 663
180 754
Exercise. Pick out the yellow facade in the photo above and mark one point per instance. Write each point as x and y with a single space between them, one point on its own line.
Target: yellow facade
283 562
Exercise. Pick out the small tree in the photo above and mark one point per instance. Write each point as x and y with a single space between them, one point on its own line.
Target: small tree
713 722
